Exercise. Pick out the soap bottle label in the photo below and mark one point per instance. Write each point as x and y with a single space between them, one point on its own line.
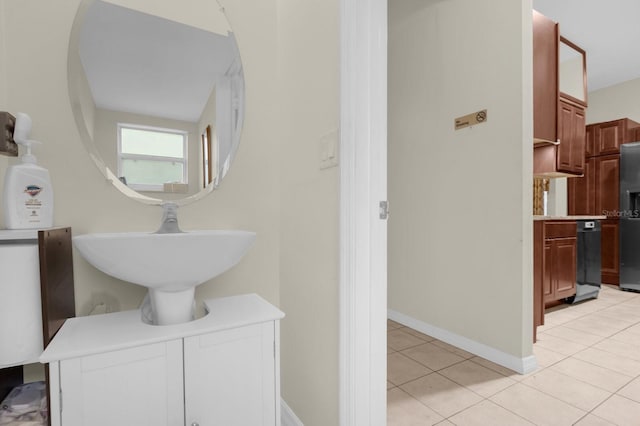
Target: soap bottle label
32 204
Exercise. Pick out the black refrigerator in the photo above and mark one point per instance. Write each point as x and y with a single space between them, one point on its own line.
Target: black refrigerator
630 216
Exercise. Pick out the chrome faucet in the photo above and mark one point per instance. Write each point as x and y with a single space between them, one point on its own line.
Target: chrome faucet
169 223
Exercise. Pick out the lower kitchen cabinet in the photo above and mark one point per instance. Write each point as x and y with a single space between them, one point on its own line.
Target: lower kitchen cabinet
560 268
555 257
222 369
610 248
554 265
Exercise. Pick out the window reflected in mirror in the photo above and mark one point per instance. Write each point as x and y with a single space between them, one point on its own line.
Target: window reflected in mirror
150 157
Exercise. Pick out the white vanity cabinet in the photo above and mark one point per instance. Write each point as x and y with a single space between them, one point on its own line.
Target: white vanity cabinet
235 367
136 386
222 369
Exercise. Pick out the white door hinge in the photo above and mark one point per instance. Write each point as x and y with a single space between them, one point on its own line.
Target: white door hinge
384 210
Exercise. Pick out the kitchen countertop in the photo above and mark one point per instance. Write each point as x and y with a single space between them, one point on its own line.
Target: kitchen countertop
579 217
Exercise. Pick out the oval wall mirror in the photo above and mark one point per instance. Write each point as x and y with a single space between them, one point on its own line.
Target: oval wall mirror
157 92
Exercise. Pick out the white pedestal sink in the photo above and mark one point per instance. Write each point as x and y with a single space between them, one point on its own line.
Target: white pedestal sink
169 265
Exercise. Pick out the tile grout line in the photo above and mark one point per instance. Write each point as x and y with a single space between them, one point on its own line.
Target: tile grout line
502 374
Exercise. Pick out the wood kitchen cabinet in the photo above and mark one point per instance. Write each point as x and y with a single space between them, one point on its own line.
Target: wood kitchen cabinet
597 192
559 131
572 136
607 191
554 265
560 251
567 157
582 191
608 136
589 148
545 79
538 276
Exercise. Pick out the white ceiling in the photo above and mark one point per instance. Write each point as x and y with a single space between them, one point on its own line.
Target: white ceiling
609 31
144 64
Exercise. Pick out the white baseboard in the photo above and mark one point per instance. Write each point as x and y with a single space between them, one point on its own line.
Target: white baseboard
287 416
520 365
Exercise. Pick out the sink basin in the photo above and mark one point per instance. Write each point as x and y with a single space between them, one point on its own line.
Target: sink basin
169 265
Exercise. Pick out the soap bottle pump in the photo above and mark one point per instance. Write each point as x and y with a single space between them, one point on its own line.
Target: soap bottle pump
28 194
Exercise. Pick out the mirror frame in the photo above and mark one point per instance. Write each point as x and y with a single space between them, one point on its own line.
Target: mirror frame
564 40
89 144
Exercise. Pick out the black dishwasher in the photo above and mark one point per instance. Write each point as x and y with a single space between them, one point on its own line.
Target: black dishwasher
588 264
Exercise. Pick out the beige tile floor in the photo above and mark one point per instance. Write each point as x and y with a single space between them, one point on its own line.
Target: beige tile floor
589 373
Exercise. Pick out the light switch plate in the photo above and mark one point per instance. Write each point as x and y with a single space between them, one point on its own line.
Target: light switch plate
328 150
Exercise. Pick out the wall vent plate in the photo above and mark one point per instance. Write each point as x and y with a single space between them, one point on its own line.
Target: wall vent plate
7 146
470 119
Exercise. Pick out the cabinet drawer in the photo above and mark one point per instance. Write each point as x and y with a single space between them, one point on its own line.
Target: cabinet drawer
560 229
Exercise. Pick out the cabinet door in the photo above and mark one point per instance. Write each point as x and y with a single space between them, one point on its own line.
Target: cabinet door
607 185
610 247
545 78
538 275
230 377
579 140
547 280
141 386
564 252
609 137
581 191
592 134
560 268
572 135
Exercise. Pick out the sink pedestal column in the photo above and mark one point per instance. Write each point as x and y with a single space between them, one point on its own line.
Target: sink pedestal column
172 307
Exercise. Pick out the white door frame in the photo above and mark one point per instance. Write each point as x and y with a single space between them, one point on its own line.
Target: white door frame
363 235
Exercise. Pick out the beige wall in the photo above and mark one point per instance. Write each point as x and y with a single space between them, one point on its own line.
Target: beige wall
37 40
308 57
460 228
615 102
274 187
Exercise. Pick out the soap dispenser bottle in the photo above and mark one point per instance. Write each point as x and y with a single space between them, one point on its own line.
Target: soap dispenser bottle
28 195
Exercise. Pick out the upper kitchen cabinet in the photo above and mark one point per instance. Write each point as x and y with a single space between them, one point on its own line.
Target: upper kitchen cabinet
572 131
606 138
559 101
545 79
572 70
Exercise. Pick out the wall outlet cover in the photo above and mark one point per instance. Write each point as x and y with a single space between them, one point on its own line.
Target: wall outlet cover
328 147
